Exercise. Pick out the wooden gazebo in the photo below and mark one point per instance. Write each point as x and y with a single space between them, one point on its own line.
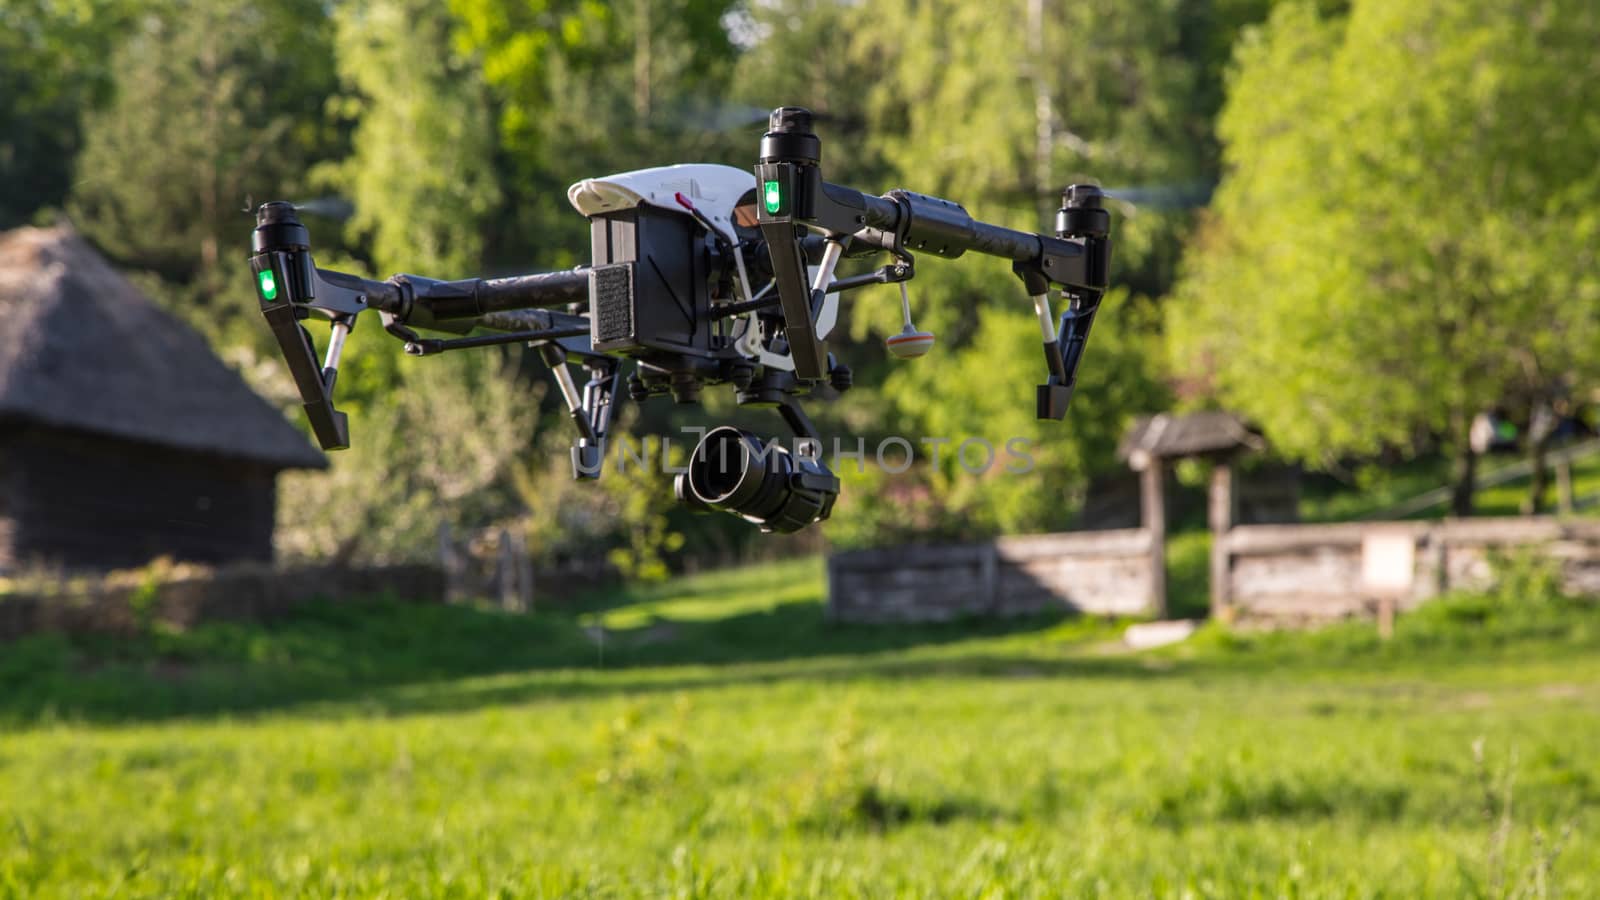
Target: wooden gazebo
1150 447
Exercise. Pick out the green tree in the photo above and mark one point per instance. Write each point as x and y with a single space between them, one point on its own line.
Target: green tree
434 448
1002 105
55 63
421 173
215 103
435 439
624 518
586 88
982 395
1406 232
1031 96
805 53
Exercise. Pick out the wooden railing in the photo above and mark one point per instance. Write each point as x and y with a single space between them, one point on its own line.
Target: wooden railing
1096 572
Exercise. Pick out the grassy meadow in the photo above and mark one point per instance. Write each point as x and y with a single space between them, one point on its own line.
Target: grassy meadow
715 737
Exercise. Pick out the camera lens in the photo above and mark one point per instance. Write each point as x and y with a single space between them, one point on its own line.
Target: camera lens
762 482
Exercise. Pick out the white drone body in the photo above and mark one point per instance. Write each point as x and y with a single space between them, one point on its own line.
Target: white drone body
715 191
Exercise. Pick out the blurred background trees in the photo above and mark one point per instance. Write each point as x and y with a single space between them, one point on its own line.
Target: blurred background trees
1406 234
55 64
212 104
1359 223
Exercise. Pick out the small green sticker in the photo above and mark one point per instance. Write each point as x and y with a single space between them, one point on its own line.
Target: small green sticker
269 285
773 197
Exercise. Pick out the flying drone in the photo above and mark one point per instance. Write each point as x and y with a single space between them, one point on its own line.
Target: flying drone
701 275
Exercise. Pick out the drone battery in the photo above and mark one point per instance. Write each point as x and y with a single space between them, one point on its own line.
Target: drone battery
649 288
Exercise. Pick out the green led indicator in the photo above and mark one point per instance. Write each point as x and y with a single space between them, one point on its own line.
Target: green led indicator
773 197
269 285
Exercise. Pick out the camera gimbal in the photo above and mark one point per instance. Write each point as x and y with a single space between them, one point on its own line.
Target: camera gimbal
678 253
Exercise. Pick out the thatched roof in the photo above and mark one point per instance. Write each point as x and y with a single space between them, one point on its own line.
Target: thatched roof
82 348
1166 436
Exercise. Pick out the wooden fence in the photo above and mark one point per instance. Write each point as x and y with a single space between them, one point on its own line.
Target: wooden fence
246 593
494 564
1095 572
1265 574
1289 574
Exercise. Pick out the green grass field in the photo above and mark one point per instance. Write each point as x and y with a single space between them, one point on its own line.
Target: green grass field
725 741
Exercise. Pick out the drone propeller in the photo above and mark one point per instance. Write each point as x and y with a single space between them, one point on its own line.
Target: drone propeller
1162 197
715 115
331 207
1132 199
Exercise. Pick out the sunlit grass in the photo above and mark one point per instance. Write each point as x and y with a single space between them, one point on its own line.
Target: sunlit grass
405 751
717 595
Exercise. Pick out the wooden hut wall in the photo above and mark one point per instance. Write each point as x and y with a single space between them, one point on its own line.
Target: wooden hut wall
88 502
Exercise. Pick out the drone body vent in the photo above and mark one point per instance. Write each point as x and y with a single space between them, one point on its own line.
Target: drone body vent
611 302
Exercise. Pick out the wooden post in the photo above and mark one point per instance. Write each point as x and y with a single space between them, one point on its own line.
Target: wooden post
1434 571
524 571
449 561
1152 497
1564 501
1386 604
1220 516
989 575
506 572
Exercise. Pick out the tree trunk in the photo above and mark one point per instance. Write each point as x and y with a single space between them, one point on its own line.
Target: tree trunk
1541 434
1153 518
641 58
1540 482
210 203
1464 480
1222 512
1044 140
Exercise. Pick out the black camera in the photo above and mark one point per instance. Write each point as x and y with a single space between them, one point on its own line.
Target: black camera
779 489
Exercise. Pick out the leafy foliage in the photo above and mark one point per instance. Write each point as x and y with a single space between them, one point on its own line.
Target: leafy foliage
625 515
215 103
1026 103
1034 96
1404 237
421 170
1002 469
604 83
435 446
55 62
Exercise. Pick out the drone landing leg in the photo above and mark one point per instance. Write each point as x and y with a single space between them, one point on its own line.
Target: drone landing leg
556 359
588 454
1056 393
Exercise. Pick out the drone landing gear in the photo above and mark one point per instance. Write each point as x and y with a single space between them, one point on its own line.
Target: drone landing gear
1080 217
590 411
